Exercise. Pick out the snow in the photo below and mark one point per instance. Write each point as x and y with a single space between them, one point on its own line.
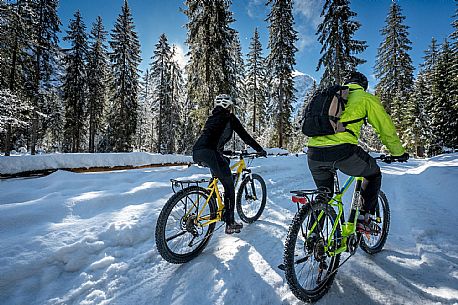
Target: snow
27 163
17 164
303 84
70 238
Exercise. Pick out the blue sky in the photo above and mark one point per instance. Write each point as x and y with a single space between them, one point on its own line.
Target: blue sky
426 18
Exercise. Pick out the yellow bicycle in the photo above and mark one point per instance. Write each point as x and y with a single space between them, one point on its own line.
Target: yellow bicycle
187 221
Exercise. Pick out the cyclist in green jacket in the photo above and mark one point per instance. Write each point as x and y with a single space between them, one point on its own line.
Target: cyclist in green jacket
341 151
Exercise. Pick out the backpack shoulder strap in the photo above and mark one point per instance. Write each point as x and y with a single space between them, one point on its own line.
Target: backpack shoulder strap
353 121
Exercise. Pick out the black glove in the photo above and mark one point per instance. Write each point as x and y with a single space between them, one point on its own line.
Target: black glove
403 158
262 153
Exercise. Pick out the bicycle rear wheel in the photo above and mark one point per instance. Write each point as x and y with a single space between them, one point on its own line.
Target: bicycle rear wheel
179 238
251 198
309 270
374 242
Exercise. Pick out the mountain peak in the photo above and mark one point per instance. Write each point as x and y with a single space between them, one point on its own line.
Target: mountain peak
297 73
302 83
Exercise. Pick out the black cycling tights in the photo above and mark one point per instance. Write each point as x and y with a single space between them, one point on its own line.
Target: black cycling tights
219 166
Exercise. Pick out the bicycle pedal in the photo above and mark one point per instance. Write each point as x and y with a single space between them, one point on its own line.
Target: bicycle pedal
281 267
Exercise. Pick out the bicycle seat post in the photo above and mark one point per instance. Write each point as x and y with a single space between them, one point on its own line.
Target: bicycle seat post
336 182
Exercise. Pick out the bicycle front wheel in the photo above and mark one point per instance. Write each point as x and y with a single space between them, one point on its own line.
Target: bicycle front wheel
180 236
373 243
309 269
251 198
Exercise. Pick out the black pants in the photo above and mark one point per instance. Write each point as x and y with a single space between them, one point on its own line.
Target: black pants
219 167
352 160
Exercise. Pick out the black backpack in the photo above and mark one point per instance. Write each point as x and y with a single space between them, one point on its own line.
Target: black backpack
322 114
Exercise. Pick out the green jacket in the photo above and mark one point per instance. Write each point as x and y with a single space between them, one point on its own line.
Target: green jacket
362 104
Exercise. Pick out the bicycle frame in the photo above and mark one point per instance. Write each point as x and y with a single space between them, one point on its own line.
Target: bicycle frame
214 191
349 226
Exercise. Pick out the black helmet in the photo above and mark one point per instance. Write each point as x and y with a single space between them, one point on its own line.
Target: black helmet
355 77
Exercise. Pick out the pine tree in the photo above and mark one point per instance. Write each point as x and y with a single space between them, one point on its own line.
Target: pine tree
428 71
55 121
454 47
417 134
431 56
444 116
161 78
16 24
145 128
16 27
280 65
394 67
13 112
256 86
75 84
176 105
167 84
98 81
239 75
45 52
125 59
339 49
238 72
189 129
210 68
4 22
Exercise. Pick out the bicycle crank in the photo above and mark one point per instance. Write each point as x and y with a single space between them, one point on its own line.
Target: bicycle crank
352 243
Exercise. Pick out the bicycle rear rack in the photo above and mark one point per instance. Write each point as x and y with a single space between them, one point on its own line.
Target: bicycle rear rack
306 196
178 184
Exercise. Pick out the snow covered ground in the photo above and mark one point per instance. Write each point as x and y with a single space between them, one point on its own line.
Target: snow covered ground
88 238
25 163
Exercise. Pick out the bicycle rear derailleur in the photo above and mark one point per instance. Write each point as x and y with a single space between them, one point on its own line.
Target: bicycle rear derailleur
320 255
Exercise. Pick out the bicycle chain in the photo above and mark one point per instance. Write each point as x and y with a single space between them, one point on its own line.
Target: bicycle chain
340 265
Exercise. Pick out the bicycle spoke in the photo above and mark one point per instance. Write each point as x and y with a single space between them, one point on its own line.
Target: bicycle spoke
374 242
175 236
251 198
311 264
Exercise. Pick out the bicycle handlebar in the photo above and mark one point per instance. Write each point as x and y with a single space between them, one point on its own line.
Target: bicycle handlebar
237 154
388 159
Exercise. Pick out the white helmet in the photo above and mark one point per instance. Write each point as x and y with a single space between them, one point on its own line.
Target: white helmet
224 100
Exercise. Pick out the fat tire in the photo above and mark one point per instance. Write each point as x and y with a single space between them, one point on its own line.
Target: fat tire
385 226
240 195
288 257
161 243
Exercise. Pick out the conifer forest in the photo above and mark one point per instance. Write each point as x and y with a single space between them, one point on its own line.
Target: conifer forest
80 88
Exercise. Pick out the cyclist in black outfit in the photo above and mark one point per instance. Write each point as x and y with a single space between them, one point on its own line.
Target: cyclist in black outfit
209 148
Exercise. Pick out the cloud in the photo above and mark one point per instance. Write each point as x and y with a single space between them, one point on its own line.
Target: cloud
307 15
305 37
310 9
180 55
257 9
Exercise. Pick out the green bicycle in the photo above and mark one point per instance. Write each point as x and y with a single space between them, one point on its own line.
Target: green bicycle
318 236
187 221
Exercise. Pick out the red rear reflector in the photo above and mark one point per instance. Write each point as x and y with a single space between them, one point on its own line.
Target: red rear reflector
297 199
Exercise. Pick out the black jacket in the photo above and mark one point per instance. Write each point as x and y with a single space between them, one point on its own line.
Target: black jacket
218 131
